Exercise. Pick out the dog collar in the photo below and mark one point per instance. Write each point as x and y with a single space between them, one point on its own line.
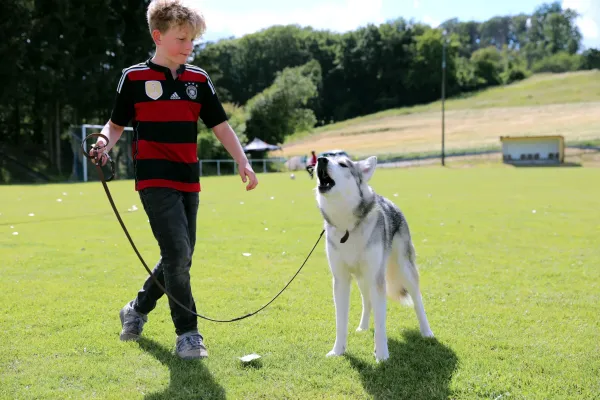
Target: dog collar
345 237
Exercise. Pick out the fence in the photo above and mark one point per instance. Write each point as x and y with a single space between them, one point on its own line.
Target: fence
229 167
122 156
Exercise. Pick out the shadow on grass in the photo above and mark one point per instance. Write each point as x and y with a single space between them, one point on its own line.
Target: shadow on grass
418 368
190 379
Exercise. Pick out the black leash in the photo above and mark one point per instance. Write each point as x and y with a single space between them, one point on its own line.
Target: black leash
96 162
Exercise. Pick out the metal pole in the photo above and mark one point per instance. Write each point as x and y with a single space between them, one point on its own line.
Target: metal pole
83 159
443 99
219 167
264 166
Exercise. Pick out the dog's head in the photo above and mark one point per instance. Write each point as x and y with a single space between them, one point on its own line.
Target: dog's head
340 175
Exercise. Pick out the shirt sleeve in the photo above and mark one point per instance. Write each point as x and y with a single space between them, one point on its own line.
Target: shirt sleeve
212 112
123 109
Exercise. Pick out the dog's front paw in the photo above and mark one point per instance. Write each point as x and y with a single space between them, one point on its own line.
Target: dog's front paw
427 333
382 356
335 352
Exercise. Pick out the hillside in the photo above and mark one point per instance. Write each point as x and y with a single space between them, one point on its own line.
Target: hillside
566 104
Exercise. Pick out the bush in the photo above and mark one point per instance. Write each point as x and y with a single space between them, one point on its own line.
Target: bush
209 147
488 65
559 62
514 75
591 59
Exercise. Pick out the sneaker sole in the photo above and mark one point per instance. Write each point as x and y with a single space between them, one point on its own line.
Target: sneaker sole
193 357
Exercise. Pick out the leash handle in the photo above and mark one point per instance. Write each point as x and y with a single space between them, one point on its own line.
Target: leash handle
96 161
169 295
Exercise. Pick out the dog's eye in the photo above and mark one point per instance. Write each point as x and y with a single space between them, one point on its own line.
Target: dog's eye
343 165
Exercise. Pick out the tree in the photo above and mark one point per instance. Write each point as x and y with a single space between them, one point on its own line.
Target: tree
280 110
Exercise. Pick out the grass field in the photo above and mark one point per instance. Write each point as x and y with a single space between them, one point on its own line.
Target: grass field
547 104
509 272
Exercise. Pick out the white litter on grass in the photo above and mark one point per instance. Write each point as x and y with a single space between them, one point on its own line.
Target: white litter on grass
272 198
15 233
59 200
249 357
241 202
246 254
533 211
395 194
31 214
12 227
266 229
133 208
64 193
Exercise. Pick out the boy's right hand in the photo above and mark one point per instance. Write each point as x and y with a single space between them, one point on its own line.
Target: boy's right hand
98 154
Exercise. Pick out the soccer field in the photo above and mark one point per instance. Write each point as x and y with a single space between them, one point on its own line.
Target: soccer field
509 267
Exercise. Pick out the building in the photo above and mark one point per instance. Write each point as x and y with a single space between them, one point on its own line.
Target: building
523 150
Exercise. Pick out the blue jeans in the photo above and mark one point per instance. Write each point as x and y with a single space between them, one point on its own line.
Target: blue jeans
172 216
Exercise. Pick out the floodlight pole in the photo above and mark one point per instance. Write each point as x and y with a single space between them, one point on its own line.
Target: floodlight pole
444 98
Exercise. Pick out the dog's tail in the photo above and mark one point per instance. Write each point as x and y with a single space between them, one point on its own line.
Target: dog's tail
401 267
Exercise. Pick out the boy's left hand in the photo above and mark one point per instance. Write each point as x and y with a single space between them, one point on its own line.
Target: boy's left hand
247 173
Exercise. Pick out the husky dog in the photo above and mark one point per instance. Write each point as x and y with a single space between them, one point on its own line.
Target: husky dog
368 238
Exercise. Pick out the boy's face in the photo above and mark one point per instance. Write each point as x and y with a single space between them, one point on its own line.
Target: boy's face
176 44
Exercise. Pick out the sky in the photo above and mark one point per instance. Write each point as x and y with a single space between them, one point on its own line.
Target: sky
227 18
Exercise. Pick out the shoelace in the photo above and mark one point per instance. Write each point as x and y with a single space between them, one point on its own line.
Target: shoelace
136 322
190 341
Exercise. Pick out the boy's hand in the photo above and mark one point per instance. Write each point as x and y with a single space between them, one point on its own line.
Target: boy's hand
247 173
98 154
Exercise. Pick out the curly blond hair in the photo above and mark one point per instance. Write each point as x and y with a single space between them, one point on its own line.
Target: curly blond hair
165 14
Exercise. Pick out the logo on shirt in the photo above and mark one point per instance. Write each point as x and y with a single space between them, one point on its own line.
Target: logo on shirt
175 96
191 90
154 89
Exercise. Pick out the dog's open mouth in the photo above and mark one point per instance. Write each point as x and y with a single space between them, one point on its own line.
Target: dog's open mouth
325 181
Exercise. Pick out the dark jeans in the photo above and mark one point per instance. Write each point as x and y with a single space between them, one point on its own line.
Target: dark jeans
172 216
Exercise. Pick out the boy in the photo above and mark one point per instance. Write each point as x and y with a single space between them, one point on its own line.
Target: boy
164 97
310 166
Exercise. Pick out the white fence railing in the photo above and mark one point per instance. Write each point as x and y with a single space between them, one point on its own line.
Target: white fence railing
228 167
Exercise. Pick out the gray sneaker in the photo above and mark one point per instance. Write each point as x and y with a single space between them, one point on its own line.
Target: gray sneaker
190 346
132 323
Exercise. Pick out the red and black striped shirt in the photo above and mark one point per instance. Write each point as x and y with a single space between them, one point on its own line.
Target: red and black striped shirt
164 113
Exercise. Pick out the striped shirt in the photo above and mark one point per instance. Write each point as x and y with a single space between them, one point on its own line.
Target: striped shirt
164 113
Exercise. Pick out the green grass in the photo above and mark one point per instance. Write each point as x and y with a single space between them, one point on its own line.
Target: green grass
512 296
538 90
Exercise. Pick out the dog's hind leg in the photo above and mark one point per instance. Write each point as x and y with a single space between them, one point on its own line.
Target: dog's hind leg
363 285
376 269
341 297
409 278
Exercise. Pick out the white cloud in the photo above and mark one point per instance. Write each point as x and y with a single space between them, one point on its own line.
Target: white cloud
588 21
434 23
335 15
416 4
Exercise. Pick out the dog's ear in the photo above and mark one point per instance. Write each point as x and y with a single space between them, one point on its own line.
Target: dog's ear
367 167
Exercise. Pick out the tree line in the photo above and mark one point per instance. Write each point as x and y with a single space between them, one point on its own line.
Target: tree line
66 56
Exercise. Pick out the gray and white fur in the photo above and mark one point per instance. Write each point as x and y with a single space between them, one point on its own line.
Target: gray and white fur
368 238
